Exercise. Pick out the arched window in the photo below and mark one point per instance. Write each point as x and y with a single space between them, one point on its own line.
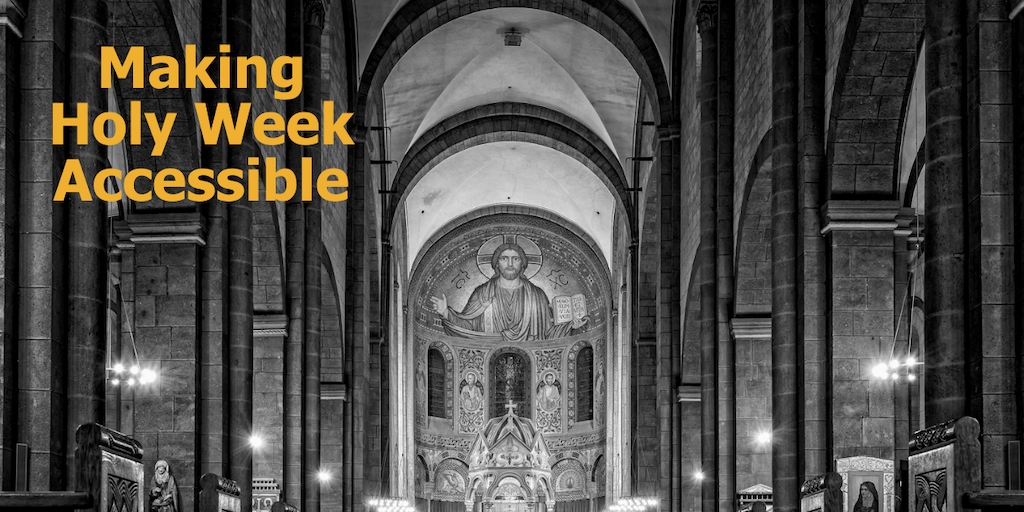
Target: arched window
510 380
435 384
585 384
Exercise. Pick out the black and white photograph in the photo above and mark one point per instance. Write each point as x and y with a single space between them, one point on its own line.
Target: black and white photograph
511 255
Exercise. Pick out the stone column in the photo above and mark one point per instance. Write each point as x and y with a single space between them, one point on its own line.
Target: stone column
726 385
669 320
811 246
295 246
1018 187
42 231
12 16
240 302
707 22
860 238
313 26
785 406
902 314
357 326
87 233
988 203
213 379
944 286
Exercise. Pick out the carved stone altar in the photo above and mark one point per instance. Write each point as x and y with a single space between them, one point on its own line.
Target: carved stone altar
510 460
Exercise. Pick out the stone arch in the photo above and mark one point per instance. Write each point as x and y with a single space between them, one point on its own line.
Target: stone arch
613 20
268 265
443 488
449 376
508 121
332 337
504 209
873 77
500 477
152 24
572 388
753 236
572 466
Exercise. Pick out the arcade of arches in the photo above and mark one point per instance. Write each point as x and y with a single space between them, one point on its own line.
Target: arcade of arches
591 249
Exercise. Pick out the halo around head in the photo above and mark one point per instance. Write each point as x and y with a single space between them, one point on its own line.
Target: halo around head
534 258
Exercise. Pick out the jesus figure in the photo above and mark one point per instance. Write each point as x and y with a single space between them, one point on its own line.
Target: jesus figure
508 307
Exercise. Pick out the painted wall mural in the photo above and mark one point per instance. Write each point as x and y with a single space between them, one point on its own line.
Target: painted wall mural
450 480
471 391
549 390
523 279
570 478
505 298
508 306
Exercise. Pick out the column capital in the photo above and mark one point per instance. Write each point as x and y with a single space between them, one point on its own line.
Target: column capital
160 228
688 393
314 13
12 14
669 131
759 328
859 215
707 16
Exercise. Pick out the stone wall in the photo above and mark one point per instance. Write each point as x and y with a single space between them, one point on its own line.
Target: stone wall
268 406
753 260
862 336
837 15
753 411
753 90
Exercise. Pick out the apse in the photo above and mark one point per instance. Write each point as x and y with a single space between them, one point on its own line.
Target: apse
510 316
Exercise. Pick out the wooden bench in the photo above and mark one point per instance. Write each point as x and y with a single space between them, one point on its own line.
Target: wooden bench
945 471
108 476
822 494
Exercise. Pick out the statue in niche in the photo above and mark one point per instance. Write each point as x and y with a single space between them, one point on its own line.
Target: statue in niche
163 495
549 393
508 307
472 393
599 380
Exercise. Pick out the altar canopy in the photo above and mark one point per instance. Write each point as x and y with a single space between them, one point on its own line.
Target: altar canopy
509 464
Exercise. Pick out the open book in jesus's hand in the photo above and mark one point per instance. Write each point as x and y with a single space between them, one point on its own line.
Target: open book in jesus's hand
567 308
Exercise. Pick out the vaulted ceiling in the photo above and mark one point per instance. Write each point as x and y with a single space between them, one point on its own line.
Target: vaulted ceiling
561 64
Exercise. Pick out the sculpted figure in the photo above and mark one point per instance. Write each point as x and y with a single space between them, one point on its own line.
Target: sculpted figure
163 494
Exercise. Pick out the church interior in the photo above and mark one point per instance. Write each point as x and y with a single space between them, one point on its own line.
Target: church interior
644 255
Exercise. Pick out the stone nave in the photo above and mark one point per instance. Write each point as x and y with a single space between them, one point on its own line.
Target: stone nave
594 255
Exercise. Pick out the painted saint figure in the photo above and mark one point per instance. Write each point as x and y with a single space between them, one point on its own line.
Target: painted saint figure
507 307
549 394
472 393
163 495
868 500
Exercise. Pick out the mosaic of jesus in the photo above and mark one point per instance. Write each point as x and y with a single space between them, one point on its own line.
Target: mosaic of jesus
508 307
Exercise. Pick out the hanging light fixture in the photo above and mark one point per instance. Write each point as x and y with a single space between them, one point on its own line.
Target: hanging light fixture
904 365
134 374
